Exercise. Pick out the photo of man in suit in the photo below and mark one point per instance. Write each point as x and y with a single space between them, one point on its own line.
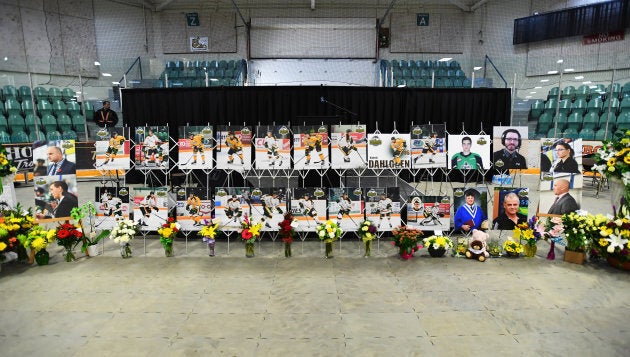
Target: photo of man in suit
64 201
563 202
57 164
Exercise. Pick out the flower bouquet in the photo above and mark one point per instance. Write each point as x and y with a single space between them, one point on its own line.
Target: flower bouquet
287 231
68 236
512 248
13 223
437 245
494 248
613 161
613 242
7 167
208 232
367 233
550 230
525 232
122 234
167 233
249 234
407 241
37 239
329 232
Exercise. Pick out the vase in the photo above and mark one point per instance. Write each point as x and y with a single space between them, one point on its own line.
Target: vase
615 263
618 194
69 256
7 190
406 253
436 252
31 256
249 250
551 255
287 250
92 250
125 250
329 249
42 257
168 250
368 248
574 256
210 247
530 250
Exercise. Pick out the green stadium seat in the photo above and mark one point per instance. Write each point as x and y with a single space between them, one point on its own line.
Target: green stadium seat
54 94
64 122
9 92
561 119
69 135
550 105
582 92
623 121
553 93
73 108
457 83
19 137
12 106
27 106
624 106
537 108
40 93
571 133
49 123
587 134
59 107
5 138
89 110
579 105
68 94
613 103
602 134
16 123
589 121
78 122
601 124
4 126
616 90
53 135
44 107
24 93
34 136
568 93
544 122
565 106
594 105
574 121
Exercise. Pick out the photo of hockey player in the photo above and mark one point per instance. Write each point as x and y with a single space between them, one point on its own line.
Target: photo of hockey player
348 147
112 206
310 147
308 206
383 207
150 207
151 149
269 206
429 212
194 206
234 145
230 206
469 152
346 206
59 156
196 145
428 146
112 149
389 151
273 147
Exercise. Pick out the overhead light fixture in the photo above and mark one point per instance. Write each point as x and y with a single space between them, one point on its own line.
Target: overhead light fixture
552 72
529 96
560 61
6 58
445 59
532 92
587 82
544 80
77 92
97 63
537 87
106 74
214 79
569 70
115 83
592 87
525 100
476 68
579 77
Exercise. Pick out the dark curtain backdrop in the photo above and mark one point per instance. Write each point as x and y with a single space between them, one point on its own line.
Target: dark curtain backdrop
384 108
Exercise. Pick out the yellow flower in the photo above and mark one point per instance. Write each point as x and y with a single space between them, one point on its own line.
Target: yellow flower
516 233
440 241
166 232
255 229
603 242
528 234
611 161
3 246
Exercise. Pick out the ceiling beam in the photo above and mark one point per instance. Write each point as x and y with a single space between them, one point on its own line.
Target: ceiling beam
460 5
478 5
163 5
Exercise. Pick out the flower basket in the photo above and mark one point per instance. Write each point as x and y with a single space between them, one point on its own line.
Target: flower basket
436 252
616 263
574 257
437 245
407 240
512 248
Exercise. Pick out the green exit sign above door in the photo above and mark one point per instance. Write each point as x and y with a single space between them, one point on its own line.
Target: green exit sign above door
422 19
192 18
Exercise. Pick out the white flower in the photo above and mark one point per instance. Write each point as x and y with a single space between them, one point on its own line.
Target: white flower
331 234
295 223
615 241
322 233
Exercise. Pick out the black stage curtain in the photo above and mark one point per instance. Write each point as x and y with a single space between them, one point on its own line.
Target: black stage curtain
384 109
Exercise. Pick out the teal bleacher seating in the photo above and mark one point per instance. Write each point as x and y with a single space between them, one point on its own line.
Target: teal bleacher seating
544 122
16 123
59 107
624 106
73 108
623 121
537 108
570 133
4 126
49 123
561 119
64 122
568 93
564 106
54 94
27 106
40 93
579 105
611 119
550 105
595 105
574 121
24 93
69 135
44 107
589 121
32 122
9 92
587 134
89 110
34 136
553 93
5 138
12 106
78 122
53 135
67 94
19 137
582 92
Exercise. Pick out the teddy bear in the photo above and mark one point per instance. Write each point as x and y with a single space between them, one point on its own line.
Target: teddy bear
477 246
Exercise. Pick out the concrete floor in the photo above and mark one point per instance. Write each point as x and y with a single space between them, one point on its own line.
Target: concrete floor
193 304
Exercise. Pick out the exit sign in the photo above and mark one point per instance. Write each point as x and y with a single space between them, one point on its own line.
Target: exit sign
192 18
422 19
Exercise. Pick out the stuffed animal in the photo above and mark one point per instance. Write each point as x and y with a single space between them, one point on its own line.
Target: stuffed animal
477 246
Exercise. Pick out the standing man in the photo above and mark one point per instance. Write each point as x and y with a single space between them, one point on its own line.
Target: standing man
466 160
114 145
510 217
563 202
314 143
271 144
308 208
148 204
105 117
57 164
193 206
196 142
509 155
346 145
385 206
235 146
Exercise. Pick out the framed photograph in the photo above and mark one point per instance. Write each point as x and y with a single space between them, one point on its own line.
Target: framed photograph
112 205
382 206
55 196
509 151
194 207
429 212
560 156
152 147
428 146
561 199
231 204
310 147
234 147
348 147
150 207
345 204
308 205
471 208
269 206
273 147
196 147
112 149
469 152
510 207
389 151
58 158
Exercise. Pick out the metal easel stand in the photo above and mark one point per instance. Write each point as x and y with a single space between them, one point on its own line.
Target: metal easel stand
302 235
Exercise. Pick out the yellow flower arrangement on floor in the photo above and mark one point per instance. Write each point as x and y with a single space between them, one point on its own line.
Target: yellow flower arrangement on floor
512 248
